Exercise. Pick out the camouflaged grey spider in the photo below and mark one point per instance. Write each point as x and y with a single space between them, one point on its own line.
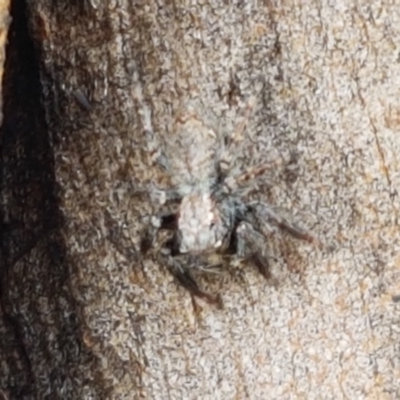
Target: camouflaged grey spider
212 215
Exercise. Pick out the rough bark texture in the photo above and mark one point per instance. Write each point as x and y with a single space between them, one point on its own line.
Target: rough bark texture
84 316
4 25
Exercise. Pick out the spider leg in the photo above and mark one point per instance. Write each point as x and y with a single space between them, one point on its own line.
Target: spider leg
251 246
233 182
153 224
233 140
240 128
263 215
185 279
246 114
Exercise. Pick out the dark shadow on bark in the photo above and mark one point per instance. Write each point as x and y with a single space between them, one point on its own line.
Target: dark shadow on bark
43 351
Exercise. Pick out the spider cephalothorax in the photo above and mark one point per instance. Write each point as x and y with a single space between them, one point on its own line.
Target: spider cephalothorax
213 214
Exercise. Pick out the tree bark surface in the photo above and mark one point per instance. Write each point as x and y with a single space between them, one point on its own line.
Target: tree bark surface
92 317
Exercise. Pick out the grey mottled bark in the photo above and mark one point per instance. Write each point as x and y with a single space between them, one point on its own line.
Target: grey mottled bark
95 320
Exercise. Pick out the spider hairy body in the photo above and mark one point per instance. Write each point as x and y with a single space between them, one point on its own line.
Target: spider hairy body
213 215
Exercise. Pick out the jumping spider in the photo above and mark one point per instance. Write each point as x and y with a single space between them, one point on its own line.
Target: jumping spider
212 215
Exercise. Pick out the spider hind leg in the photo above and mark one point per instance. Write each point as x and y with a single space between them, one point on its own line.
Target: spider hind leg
263 216
250 245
